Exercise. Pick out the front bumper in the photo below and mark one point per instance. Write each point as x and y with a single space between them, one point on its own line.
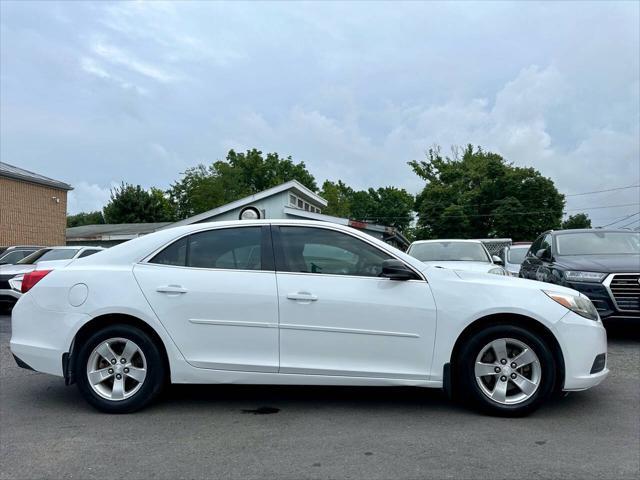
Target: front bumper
582 342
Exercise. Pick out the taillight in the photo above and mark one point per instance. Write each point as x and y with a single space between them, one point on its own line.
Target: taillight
31 278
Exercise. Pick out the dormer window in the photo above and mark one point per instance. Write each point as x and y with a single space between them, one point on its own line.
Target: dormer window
297 202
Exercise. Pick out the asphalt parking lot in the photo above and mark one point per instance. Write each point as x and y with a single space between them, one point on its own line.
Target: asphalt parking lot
48 431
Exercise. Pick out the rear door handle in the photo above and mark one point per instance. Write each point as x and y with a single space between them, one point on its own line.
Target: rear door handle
302 296
175 289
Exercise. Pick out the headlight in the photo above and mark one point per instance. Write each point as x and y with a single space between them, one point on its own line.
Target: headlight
16 283
497 271
578 304
575 276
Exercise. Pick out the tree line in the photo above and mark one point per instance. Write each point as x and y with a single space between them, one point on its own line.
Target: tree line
472 193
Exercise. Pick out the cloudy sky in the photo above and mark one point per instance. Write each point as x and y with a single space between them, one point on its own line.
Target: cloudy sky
96 93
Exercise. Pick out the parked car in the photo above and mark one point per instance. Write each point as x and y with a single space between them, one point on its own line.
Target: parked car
9 274
602 264
299 302
12 255
470 255
513 255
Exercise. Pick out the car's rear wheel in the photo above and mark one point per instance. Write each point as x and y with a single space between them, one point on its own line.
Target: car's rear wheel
119 369
506 370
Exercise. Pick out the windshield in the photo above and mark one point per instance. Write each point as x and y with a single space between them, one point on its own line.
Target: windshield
449 251
516 254
598 243
45 255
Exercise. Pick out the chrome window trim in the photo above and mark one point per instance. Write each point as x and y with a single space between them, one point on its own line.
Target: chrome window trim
607 284
146 259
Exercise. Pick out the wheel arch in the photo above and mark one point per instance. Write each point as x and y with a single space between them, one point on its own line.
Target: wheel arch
514 319
105 320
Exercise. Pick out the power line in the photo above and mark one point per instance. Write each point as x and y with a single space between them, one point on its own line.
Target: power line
568 195
622 219
630 223
534 212
602 191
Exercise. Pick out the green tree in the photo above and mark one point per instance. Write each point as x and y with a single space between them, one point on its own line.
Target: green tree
85 218
479 194
386 206
338 197
579 220
202 188
133 204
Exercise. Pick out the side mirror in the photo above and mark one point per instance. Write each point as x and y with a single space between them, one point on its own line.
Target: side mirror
497 260
543 254
396 270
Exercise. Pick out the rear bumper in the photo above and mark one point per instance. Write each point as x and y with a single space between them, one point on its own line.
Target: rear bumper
582 341
40 337
9 296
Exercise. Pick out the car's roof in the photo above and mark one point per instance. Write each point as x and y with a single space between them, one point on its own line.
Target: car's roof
442 240
136 249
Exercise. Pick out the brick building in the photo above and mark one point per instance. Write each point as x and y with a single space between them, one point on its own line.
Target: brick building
33 208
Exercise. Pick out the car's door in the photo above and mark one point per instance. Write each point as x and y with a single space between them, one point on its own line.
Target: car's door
215 293
530 262
339 317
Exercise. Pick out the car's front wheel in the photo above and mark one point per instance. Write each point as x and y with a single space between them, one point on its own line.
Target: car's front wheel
119 369
506 370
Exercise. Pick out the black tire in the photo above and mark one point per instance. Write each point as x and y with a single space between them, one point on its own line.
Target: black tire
155 369
471 393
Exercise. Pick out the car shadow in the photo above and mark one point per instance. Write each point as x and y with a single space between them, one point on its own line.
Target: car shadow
625 330
303 397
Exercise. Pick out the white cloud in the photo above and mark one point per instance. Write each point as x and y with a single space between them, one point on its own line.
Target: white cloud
119 57
86 197
515 126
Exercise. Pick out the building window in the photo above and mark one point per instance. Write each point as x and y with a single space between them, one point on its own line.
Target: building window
297 202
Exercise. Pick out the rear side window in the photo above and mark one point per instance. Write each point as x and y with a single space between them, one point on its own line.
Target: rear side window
231 248
174 254
86 253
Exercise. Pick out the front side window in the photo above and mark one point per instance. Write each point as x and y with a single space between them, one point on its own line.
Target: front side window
516 255
318 250
230 248
535 246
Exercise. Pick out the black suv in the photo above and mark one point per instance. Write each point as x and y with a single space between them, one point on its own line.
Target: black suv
602 264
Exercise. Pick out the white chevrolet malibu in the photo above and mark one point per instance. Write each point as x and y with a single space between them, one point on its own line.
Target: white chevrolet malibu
300 303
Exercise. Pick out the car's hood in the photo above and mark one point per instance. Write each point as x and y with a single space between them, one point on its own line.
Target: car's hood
482 267
15 269
601 263
498 280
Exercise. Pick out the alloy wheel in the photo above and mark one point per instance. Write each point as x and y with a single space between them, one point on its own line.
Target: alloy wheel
508 371
116 369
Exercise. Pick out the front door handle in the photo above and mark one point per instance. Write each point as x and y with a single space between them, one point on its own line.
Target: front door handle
171 289
302 296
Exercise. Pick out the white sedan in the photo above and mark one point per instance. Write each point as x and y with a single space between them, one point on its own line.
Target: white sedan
305 303
470 255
